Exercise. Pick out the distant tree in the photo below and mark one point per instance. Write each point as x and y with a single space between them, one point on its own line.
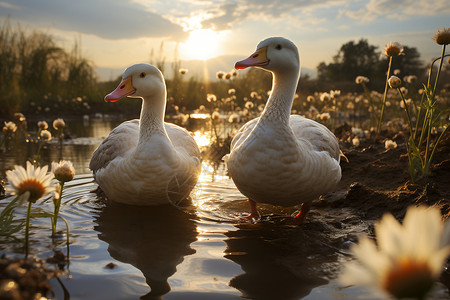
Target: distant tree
361 58
352 59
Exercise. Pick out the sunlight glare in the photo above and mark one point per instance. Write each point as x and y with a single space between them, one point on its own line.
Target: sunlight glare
202 44
202 139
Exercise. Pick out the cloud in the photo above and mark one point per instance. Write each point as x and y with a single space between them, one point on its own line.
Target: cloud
225 14
399 9
109 19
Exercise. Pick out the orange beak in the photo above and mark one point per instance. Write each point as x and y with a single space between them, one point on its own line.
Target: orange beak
124 89
259 58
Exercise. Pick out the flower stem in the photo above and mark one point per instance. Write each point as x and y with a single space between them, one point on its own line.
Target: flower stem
57 205
384 96
407 112
27 228
67 235
439 70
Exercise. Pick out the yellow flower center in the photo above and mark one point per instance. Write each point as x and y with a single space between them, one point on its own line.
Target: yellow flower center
34 187
409 279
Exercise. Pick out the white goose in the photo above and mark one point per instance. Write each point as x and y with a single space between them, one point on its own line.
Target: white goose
146 161
278 158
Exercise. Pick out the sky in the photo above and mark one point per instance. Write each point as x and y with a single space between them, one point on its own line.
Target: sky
115 34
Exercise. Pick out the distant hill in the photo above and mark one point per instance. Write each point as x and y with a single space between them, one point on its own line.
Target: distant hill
197 68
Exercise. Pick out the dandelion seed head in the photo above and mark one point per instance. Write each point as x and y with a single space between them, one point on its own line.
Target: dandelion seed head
325 97
394 82
46 135
442 36
390 144
249 105
215 116
393 49
361 79
59 124
9 126
42 125
211 98
19 117
220 74
325 116
63 170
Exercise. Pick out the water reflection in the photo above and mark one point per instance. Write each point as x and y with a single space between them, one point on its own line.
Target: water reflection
279 262
153 239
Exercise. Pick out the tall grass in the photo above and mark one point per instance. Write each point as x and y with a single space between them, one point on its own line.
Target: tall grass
37 73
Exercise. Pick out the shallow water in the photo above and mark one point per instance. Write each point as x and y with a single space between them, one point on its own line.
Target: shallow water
200 250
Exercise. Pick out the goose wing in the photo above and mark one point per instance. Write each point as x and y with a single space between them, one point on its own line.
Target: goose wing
119 141
320 137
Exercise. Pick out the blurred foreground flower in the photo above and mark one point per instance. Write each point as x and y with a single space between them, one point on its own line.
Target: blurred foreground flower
407 259
29 184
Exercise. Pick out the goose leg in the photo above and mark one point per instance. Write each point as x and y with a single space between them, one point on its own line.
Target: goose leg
254 214
300 217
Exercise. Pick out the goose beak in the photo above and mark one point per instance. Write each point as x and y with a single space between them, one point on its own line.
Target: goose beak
125 88
257 59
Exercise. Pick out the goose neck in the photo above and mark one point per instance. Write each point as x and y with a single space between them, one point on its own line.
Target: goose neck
279 104
152 117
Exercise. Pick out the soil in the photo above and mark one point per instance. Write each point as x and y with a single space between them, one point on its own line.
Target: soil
376 180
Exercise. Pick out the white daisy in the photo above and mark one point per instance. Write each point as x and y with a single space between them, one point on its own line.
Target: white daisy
407 259
32 182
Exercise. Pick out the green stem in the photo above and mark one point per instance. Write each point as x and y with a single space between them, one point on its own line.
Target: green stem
407 112
27 228
428 163
67 235
424 127
56 209
384 96
428 136
439 70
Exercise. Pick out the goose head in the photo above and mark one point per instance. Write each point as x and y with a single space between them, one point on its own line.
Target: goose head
139 81
275 54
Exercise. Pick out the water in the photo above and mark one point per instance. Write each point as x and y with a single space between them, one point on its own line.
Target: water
198 251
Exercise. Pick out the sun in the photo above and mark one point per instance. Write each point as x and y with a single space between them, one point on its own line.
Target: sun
202 44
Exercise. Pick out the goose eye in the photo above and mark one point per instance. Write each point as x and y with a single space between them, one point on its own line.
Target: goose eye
142 75
278 47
